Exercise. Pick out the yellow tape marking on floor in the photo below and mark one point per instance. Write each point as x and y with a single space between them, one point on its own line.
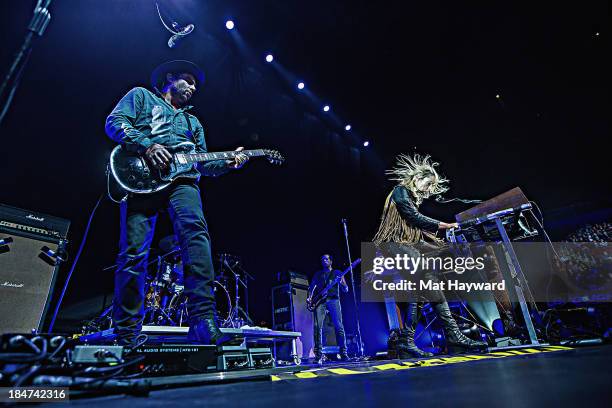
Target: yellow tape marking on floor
457 359
517 352
530 351
432 362
392 366
344 371
502 354
306 374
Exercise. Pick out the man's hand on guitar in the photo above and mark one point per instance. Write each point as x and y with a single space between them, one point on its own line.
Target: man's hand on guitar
240 159
344 285
158 156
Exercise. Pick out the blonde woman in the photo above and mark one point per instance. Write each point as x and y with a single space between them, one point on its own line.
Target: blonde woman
403 226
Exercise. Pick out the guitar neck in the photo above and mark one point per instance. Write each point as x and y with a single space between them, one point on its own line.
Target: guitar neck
339 277
211 156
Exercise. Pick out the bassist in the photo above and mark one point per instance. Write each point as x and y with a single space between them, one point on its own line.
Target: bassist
147 123
331 304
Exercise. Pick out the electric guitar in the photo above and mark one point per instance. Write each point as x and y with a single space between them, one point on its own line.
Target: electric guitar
319 297
133 172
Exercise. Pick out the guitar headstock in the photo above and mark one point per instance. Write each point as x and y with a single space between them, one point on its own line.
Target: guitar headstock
274 156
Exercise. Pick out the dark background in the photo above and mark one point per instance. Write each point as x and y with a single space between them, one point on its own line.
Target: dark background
408 76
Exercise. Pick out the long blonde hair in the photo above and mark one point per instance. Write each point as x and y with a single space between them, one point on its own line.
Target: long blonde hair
408 169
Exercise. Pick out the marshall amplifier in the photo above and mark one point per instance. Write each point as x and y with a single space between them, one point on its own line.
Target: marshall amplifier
31 245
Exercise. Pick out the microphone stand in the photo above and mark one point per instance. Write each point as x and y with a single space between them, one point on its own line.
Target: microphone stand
37 26
348 250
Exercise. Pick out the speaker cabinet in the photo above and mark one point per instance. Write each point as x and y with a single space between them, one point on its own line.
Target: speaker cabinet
289 312
27 275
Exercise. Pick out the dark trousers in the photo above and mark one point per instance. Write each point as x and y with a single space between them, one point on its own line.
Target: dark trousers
138 217
335 313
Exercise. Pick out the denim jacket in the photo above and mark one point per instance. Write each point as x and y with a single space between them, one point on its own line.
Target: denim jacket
142 118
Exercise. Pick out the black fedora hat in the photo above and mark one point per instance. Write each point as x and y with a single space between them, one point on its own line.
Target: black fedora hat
158 76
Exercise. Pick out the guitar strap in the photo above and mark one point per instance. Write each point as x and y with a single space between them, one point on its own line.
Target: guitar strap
191 134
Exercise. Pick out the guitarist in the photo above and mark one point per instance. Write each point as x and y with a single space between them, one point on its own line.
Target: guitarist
331 304
146 122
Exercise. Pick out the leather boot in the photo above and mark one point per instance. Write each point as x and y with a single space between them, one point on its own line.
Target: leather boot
406 347
204 330
392 342
455 340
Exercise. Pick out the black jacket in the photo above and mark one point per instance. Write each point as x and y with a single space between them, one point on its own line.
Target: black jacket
410 213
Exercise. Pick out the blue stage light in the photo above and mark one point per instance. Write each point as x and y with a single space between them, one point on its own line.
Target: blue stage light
347 127
269 58
326 108
366 143
300 85
229 24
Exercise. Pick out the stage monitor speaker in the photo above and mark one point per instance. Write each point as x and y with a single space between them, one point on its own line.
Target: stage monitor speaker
28 267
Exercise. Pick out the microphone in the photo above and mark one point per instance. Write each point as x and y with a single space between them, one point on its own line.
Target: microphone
179 34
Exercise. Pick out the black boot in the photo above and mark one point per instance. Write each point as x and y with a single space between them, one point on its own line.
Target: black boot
204 330
455 340
392 343
406 347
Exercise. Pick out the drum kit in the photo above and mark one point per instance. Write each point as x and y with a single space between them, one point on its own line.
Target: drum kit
165 298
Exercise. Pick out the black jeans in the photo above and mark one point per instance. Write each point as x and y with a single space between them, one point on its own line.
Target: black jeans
335 312
138 217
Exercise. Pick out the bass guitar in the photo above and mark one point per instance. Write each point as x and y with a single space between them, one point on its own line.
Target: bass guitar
319 296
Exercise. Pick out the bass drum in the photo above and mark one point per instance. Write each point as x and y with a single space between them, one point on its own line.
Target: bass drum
177 308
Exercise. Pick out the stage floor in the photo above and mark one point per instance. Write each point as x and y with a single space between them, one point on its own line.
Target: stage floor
547 377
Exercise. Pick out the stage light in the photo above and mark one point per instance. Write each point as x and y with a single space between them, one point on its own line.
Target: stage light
269 58
366 143
229 24
497 96
596 34
347 127
300 85
326 108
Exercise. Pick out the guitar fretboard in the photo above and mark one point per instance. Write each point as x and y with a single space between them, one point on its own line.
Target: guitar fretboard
204 157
